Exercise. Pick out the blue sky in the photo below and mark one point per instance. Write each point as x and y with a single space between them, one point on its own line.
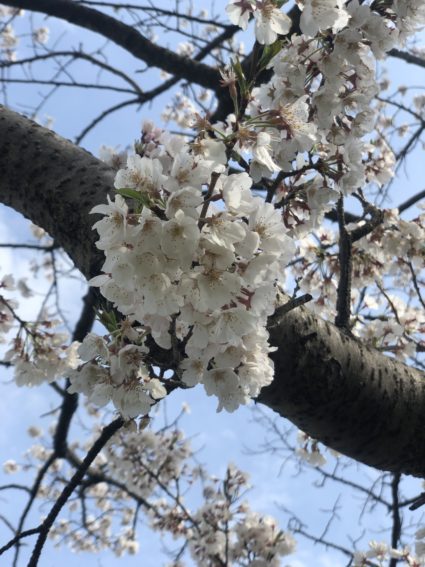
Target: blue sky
223 437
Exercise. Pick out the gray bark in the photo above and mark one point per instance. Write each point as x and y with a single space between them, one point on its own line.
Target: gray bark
54 183
350 397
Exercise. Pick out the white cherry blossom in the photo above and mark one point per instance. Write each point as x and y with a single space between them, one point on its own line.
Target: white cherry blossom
319 15
270 22
239 12
143 174
112 228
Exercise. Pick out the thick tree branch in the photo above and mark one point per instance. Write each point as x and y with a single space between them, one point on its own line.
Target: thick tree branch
54 183
125 36
343 302
351 397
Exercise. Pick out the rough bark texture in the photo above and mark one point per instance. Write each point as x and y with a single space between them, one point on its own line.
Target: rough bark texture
54 183
352 398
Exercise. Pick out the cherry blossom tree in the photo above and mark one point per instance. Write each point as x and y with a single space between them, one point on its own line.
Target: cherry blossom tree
255 253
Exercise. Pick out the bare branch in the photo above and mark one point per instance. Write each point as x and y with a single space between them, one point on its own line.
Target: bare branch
343 304
18 537
156 10
408 57
44 529
125 36
73 55
412 201
70 401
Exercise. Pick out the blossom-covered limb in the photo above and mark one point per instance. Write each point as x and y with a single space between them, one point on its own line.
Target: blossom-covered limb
291 329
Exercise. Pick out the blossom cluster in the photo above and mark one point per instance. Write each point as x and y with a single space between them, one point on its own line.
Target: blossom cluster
42 355
39 351
192 255
322 15
387 320
225 530
381 552
8 39
269 20
144 460
7 306
320 96
192 260
154 471
310 127
309 450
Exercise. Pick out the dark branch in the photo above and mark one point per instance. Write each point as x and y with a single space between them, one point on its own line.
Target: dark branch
408 57
70 401
343 303
73 55
412 201
126 37
105 436
33 494
18 537
396 516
